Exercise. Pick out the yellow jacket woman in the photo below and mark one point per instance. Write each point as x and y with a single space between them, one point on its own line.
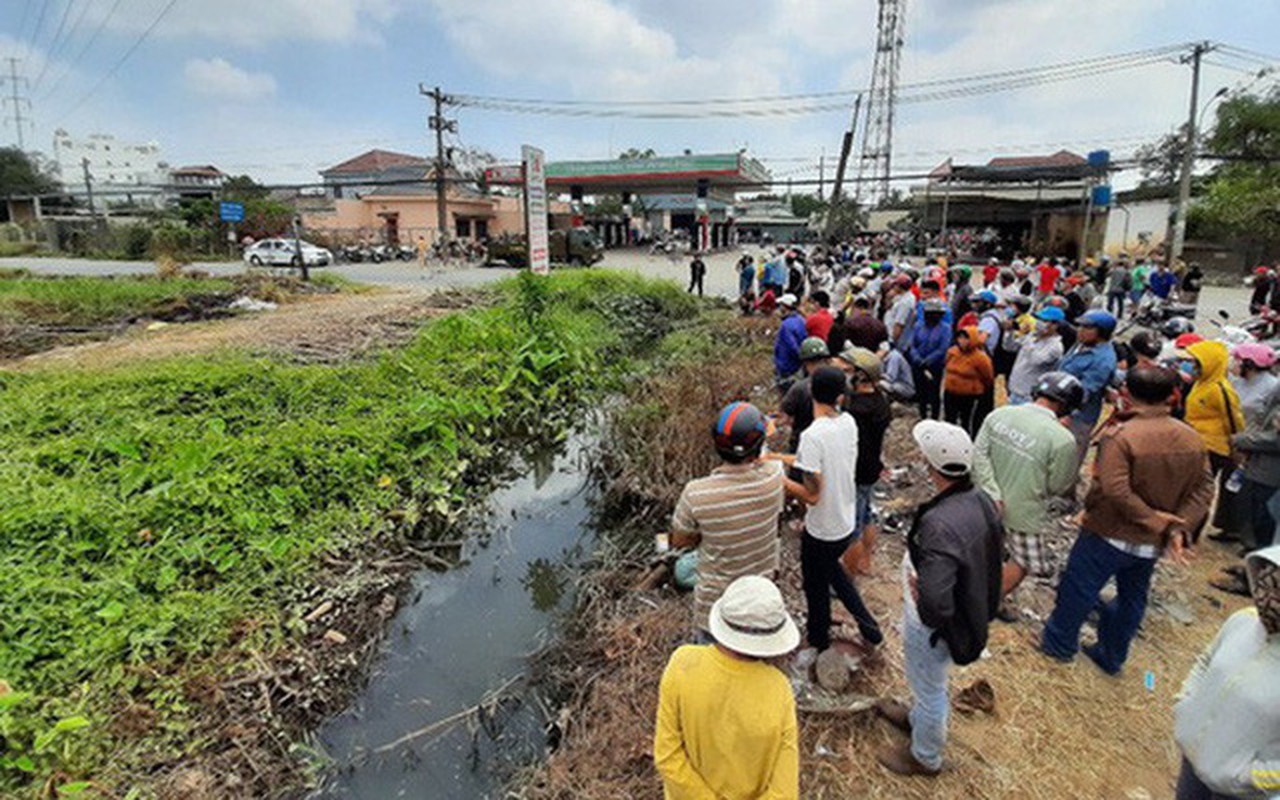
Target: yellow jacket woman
1213 407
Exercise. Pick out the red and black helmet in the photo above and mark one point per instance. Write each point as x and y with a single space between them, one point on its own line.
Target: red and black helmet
739 432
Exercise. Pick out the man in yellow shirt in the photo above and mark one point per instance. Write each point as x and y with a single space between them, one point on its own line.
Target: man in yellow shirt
726 726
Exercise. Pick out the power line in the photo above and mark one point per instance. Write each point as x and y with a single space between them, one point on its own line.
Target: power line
959 87
83 50
60 44
115 67
35 32
26 12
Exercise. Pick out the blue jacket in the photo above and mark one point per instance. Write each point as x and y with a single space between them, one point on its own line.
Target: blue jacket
786 347
948 318
1094 367
929 346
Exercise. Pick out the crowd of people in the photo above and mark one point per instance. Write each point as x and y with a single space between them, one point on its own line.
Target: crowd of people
1017 378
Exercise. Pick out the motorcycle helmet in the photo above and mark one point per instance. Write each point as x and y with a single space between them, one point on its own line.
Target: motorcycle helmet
813 348
1175 327
1063 388
1259 355
739 432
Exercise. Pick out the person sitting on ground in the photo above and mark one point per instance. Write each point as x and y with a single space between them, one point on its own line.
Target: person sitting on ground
1024 458
1038 354
1227 719
896 381
871 410
786 345
768 302
726 721
969 375
828 456
951 589
731 515
1150 488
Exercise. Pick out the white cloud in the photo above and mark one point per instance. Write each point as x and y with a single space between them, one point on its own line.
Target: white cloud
593 47
256 23
219 78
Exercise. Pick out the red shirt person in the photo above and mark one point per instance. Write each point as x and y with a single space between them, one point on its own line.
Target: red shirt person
820 321
1049 275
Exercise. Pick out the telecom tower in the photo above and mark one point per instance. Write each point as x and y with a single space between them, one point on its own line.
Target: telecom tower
877 135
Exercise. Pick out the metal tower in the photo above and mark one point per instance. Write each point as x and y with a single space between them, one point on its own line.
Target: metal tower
877 135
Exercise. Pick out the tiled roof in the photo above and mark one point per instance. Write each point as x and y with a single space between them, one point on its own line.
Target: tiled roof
376 161
1062 158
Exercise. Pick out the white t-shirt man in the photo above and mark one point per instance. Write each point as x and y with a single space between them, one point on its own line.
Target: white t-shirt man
829 447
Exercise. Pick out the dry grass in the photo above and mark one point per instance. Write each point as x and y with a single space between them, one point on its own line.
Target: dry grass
1059 731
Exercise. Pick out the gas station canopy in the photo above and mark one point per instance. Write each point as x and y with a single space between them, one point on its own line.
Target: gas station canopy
728 173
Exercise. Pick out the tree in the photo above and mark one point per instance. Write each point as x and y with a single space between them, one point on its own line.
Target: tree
1160 162
21 175
1242 198
636 154
805 205
243 188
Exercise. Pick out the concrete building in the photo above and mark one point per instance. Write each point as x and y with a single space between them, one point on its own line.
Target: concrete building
195 182
121 173
366 172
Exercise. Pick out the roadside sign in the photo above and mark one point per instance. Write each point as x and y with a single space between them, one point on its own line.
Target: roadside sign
512 174
535 209
231 212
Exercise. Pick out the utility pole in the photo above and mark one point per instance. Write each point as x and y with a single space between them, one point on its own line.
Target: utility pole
16 100
846 145
439 124
1174 249
822 174
88 187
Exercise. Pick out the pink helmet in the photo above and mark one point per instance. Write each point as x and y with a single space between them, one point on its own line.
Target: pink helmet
1260 355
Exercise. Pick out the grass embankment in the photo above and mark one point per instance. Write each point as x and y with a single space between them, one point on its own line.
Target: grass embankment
40 312
153 518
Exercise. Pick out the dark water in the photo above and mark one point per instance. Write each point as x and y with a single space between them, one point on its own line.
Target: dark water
461 635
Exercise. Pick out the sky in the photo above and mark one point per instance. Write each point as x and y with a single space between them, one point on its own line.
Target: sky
281 89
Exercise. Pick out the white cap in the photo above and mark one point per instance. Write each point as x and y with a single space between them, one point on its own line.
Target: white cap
788 299
751 618
946 447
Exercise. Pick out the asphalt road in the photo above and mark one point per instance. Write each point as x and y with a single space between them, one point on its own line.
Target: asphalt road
721 277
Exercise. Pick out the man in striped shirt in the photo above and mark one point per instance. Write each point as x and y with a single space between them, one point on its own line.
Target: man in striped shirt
731 515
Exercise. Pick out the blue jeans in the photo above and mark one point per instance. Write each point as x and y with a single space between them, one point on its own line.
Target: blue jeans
926 667
1115 303
1093 562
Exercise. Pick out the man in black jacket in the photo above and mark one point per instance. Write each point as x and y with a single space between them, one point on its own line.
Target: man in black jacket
951 590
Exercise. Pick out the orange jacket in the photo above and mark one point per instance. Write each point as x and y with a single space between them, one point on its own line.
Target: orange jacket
969 370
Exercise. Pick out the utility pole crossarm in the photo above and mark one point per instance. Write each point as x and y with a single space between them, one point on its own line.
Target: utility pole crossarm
439 124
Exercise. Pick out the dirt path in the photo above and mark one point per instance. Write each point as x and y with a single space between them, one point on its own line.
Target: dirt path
318 328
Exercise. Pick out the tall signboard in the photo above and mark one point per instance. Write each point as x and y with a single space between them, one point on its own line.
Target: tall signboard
535 209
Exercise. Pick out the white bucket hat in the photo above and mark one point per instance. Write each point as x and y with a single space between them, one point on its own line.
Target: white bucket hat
788 300
750 618
946 447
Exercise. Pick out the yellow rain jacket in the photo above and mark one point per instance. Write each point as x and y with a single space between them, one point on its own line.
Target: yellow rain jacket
1213 407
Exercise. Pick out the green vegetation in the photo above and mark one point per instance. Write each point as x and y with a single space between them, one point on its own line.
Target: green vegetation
26 299
149 514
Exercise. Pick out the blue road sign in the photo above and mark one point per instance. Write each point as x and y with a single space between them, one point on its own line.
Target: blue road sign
231 212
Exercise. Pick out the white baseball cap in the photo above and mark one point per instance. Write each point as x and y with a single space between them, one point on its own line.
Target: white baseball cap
751 618
946 447
788 299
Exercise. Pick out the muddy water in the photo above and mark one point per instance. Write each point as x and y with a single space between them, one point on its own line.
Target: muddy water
460 636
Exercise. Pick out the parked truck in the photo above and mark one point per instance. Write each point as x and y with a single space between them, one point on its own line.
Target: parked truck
576 247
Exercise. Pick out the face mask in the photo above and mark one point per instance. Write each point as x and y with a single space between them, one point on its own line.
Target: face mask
1187 367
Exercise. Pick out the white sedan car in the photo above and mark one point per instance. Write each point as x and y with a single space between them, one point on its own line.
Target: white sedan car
284 253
